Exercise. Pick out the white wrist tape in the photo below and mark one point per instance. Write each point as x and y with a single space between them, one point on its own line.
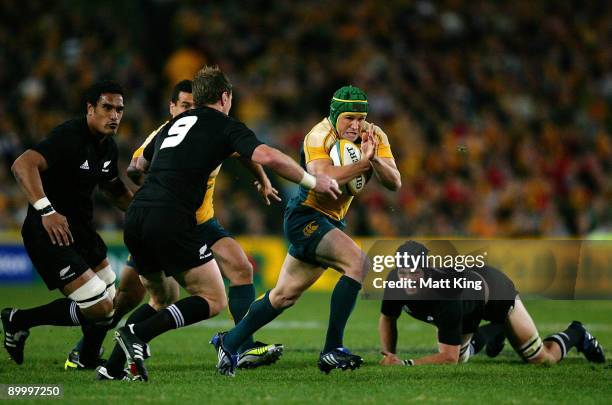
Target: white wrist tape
308 180
42 203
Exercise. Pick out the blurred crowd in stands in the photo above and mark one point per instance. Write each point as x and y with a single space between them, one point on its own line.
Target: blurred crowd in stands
499 113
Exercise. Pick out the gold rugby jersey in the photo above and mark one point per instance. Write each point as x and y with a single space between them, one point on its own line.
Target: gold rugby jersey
317 144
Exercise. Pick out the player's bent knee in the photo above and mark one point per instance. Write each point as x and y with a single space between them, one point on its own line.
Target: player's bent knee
159 303
358 268
108 276
101 313
216 303
215 307
90 294
244 273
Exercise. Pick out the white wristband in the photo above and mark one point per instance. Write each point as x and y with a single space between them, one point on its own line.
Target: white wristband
308 180
42 203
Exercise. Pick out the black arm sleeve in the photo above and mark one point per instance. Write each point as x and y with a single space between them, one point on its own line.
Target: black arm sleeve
391 308
113 173
242 139
111 182
450 322
57 146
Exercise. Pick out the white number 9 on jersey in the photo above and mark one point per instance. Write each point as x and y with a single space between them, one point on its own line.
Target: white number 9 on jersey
178 131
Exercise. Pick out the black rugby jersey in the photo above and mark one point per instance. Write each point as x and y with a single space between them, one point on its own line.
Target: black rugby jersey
186 150
454 311
77 162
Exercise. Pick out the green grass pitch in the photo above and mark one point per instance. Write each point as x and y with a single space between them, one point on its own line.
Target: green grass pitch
182 369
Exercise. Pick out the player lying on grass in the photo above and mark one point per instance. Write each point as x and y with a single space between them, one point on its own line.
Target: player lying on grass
161 230
458 312
314 227
232 260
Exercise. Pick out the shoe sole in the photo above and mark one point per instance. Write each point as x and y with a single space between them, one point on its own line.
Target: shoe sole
69 365
8 350
266 359
140 367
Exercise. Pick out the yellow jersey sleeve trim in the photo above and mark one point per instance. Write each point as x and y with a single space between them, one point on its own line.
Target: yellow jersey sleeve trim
138 152
384 148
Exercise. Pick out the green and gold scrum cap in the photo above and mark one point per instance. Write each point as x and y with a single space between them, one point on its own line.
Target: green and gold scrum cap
347 99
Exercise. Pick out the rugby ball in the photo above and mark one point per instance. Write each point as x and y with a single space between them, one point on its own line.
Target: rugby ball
344 153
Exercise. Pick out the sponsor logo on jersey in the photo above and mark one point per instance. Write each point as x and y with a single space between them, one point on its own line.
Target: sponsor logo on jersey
105 167
310 228
85 165
203 253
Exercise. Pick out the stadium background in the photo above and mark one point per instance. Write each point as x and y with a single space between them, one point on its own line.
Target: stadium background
499 115
500 119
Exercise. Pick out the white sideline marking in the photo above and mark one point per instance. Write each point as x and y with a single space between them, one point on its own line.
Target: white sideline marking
410 325
228 324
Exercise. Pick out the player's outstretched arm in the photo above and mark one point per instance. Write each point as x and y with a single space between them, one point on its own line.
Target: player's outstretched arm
387 330
26 170
447 354
290 170
116 191
342 174
134 173
139 165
